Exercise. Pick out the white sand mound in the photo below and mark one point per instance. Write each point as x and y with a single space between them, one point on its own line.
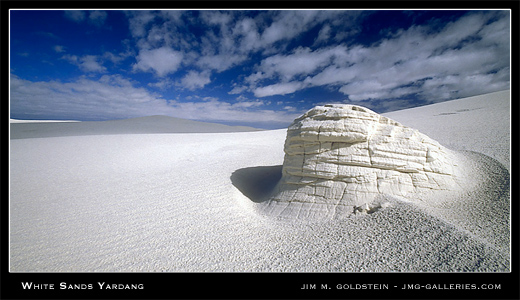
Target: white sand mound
142 125
342 159
187 202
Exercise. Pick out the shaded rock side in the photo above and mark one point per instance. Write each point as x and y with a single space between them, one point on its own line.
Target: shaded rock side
344 159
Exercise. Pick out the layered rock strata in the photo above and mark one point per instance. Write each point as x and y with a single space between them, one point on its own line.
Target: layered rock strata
344 159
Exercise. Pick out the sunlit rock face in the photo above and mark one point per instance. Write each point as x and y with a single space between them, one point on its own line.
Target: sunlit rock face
344 159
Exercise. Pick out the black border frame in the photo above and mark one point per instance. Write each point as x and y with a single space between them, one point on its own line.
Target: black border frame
260 285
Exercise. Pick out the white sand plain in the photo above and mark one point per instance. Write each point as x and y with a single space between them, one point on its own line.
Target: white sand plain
157 201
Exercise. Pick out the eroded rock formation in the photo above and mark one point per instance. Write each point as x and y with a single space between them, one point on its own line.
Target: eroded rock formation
344 159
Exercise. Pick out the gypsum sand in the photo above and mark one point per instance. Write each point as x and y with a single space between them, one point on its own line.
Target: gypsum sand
186 202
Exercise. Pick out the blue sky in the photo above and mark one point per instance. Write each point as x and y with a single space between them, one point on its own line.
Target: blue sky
258 68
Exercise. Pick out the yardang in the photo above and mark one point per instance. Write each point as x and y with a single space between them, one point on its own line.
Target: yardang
344 159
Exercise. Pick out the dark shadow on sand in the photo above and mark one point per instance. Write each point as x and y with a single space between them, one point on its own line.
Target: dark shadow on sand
257 183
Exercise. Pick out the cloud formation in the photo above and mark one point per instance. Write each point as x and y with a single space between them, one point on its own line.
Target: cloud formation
257 65
86 63
220 40
422 60
115 97
162 61
95 17
413 61
194 80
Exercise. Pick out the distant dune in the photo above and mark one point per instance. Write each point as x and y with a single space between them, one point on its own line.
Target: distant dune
21 129
40 121
117 197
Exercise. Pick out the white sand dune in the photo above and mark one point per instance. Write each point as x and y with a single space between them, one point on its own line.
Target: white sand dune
187 202
21 129
16 121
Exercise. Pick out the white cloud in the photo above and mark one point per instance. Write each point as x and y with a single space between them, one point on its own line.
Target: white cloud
114 97
138 22
89 63
86 63
278 89
110 97
448 87
289 24
248 104
332 75
220 62
246 32
98 17
254 78
95 17
116 58
221 18
475 46
75 15
243 112
59 48
195 80
222 39
323 35
361 87
434 61
162 61
163 83
92 63
301 61
237 89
